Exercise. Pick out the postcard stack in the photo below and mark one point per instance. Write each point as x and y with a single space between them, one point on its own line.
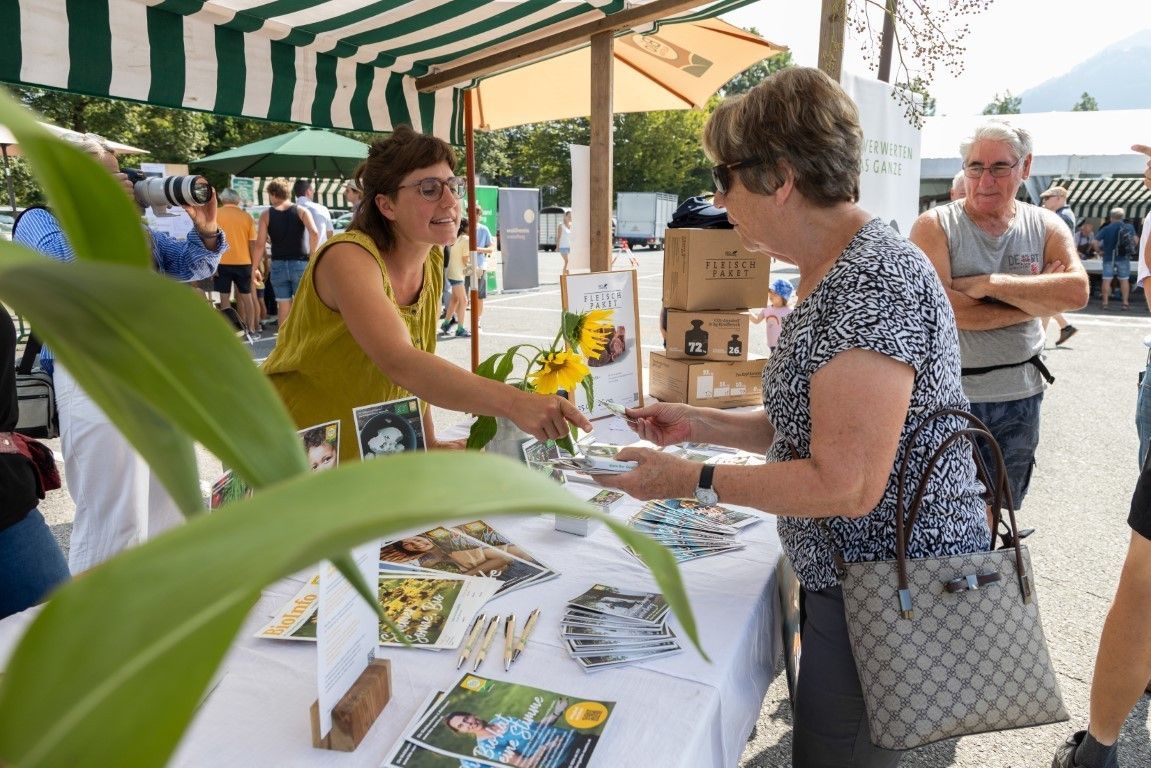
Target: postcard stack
609 627
689 529
485 722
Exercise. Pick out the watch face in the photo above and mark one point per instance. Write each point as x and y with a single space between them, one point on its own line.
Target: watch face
706 496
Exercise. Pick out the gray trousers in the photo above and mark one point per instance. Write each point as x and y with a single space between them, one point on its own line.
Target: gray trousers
830 722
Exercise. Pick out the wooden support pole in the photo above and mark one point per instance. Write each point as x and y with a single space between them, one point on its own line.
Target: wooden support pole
832 22
602 45
473 221
887 44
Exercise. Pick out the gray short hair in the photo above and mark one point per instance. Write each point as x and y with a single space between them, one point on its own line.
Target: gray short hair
998 129
91 143
1118 213
958 181
229 196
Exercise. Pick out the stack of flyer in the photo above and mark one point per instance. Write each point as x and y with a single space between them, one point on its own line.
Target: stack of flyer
430 611
689 529
470 549
609 627
485 722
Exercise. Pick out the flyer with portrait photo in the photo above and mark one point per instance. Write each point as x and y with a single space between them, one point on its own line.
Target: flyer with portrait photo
481 721
385 429
321 444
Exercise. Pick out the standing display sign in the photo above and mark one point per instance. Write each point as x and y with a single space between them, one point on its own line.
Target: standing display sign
889 172
245 187
519 238
617 374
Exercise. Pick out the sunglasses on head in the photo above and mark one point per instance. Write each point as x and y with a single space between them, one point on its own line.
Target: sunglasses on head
721 174
432 188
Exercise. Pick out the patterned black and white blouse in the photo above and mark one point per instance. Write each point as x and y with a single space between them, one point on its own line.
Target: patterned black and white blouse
882 294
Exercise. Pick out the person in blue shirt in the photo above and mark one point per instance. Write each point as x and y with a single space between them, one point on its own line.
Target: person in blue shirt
484 245
118 501
1115 265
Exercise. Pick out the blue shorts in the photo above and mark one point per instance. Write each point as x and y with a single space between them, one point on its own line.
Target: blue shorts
1116 266
1015 425
286 275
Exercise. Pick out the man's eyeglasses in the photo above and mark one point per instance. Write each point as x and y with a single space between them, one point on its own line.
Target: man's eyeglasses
997 170
432 188
721 174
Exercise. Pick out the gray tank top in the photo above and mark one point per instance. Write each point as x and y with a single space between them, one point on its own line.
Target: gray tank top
1018 251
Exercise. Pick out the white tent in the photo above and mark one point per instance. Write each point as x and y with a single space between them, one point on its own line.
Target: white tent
1067 145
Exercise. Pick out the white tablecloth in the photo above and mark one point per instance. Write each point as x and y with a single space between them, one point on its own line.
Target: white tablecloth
678 711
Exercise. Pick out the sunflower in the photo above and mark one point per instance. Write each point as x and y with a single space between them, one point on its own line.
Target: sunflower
558 370
592 331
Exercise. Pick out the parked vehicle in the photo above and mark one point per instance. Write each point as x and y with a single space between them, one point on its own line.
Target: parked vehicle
643 217
550 218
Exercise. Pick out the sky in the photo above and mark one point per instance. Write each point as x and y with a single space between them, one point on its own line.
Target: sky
1012 46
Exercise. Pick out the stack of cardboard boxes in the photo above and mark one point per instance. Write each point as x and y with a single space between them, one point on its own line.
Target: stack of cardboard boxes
709 281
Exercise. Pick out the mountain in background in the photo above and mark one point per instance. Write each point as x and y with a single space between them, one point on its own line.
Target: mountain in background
1117 77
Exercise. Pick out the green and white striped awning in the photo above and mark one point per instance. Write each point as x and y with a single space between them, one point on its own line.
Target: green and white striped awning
1094 198
332 63
329 192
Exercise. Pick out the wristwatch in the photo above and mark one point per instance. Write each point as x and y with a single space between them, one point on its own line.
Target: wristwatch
704 493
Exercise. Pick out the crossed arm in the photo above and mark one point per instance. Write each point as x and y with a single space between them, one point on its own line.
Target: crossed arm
997 300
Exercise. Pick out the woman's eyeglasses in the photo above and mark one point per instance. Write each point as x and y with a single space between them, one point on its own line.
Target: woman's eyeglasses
721 174
432 188
997 170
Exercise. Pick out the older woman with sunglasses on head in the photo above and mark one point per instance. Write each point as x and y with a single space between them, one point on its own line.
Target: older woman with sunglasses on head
868 352
363 326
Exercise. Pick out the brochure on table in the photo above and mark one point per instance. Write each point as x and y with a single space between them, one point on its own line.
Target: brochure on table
347 631
617 374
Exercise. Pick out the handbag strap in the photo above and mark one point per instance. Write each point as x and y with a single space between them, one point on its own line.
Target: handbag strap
905 522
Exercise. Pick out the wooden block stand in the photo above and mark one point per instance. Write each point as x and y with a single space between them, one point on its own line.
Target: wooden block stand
357 710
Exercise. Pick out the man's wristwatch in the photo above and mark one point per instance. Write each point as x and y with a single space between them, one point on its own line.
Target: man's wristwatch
704 493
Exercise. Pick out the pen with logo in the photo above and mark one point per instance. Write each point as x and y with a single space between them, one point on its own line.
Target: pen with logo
473 633
489 635
509 640
528 627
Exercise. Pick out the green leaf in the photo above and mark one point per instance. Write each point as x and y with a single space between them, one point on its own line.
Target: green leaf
112 669
507 362
487 368
148 339
483 430
62 171
588 385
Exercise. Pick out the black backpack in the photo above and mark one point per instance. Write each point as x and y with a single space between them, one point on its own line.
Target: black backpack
1127 247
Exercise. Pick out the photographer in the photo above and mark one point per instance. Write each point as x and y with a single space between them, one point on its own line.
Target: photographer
118 501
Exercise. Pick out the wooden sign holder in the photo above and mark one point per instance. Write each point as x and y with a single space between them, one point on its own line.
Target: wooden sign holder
357 710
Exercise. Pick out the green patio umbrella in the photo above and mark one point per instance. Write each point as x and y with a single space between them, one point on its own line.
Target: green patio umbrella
311 152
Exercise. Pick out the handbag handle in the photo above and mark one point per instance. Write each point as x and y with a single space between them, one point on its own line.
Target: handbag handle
905 523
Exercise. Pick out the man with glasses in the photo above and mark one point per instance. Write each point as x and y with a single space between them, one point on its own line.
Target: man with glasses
1004 264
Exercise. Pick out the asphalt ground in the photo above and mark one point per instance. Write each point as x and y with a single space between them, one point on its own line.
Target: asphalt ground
1078 501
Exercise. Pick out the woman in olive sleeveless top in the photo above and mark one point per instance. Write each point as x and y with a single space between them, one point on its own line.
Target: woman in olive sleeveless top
363 323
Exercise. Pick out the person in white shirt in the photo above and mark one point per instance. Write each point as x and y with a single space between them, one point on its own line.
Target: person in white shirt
303 190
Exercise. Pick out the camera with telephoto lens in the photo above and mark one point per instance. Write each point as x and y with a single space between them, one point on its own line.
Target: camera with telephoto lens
158 192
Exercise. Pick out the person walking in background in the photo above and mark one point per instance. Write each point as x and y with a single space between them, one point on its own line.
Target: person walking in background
304 192
119 502
869 351
31 563
564 238
1116 262
458 259
240 263
364 328
284 225
1055 199
479 257
1004 264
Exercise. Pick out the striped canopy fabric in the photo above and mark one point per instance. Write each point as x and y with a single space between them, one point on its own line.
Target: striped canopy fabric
331 63
329 192
1094 198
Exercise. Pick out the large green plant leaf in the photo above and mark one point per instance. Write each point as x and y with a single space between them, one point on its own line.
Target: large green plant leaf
129 336
112 669
83 195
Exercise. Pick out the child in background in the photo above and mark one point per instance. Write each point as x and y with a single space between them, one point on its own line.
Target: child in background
777 308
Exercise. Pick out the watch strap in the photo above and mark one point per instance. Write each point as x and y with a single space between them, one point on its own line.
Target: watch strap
706 473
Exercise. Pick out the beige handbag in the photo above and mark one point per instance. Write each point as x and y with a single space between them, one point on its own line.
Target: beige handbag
949 646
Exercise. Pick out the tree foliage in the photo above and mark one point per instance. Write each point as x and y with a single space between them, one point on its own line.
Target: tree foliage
1086 103
1004 105
917 91
928 42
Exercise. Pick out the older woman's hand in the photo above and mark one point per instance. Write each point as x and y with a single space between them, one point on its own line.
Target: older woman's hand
662 423
658 476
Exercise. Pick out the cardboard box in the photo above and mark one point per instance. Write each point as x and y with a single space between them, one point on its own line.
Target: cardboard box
707 335
713 384
711 269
